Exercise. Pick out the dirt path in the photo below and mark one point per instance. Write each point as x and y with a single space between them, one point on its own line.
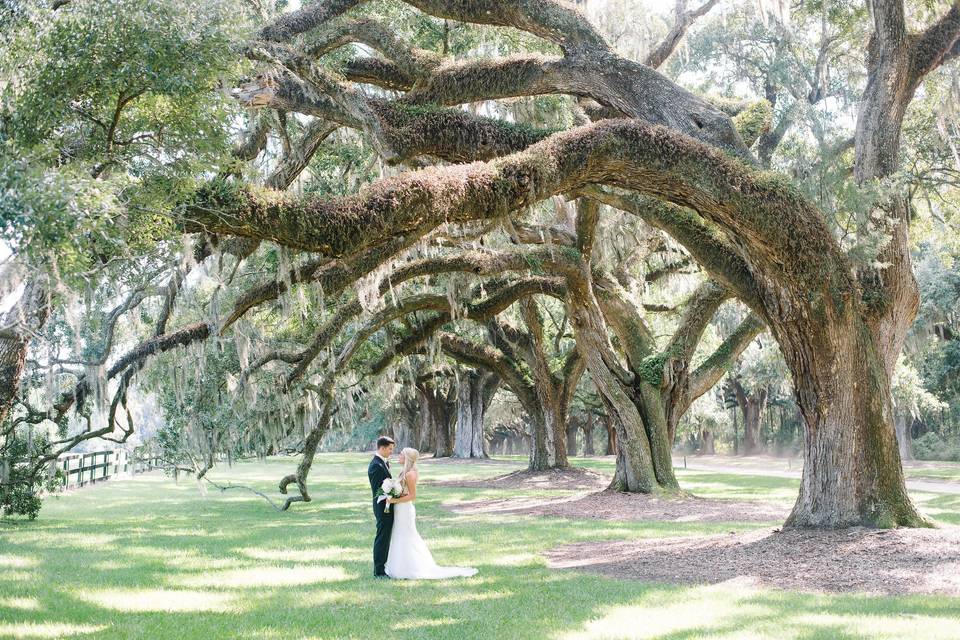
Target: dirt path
553 480
888 562
613 505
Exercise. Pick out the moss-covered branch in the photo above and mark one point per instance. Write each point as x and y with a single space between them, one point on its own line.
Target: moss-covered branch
774 225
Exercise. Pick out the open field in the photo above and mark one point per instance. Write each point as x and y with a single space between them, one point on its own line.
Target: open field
148 558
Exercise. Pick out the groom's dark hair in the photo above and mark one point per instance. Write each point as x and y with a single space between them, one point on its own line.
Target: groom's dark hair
384 441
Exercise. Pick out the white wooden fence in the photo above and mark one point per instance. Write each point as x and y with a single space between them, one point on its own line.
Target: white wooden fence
81 469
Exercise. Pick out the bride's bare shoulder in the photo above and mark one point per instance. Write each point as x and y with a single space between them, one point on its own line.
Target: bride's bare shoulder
413 474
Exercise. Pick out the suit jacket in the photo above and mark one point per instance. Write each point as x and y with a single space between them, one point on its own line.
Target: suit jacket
377 472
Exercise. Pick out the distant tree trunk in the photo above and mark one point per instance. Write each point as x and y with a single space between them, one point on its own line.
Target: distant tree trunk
751 406
427 438
640 464
588 429
402 433
548 448
439 412
903 424
611 449
475 391
406 421
707 441
548 399
573 427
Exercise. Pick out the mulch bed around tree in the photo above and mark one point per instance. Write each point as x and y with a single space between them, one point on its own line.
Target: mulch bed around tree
889 562
558 479
613 505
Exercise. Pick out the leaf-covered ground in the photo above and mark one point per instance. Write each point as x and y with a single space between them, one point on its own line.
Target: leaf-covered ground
147 558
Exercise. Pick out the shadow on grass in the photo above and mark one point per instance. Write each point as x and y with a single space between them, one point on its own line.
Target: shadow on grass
149 558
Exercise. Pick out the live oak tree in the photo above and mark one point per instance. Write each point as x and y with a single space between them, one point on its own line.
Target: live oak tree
839 326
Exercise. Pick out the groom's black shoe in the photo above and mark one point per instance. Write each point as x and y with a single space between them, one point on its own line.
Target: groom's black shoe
380 575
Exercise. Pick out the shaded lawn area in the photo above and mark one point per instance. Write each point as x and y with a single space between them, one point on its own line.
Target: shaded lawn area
147 558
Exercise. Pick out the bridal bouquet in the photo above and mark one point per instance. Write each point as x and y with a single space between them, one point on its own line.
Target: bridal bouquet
389 489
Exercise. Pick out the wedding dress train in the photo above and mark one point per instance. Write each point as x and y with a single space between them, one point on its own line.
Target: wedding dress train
409 558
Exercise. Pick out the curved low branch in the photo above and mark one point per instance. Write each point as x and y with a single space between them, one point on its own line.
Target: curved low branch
767 217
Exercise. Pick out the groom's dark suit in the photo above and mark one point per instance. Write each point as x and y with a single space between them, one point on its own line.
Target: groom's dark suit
378 471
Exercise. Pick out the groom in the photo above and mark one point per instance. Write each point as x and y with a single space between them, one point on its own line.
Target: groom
378 471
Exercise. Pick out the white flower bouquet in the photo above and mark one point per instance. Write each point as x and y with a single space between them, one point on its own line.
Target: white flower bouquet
389 489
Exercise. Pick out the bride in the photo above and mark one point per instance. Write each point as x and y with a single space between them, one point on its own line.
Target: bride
409 557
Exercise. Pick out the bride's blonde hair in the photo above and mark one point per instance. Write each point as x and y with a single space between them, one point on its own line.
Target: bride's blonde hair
410 457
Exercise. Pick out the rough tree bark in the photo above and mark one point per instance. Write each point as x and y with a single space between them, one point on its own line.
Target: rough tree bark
438 411
476 390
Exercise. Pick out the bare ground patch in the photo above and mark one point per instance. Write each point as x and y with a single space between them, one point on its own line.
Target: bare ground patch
429 460
558 479
613 505
888 562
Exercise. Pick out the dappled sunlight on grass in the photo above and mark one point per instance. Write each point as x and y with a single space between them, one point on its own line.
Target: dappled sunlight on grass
89 540
111 565
892 627
944 508
657 618
149 558
321 598
159 600
47 630
419 623
265 577
513 559
459 598
305 555
20 603
16 562
14 576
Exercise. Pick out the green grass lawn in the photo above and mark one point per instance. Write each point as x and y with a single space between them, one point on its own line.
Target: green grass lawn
940 471
147 558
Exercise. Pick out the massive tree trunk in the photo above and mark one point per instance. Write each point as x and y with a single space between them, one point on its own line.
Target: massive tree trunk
852 470
474 393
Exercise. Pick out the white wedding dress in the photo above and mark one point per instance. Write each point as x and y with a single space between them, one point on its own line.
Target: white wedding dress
409 558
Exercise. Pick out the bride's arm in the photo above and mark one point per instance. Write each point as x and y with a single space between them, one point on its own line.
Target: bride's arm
411 494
